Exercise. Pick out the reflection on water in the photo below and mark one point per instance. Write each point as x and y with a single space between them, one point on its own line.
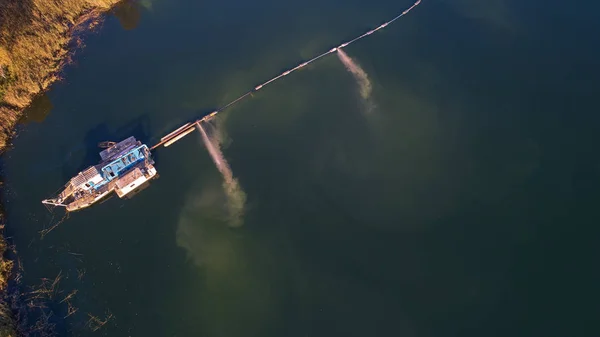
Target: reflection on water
128 13
38 110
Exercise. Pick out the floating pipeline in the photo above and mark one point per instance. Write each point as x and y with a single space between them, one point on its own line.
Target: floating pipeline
131 164
189 127
170 135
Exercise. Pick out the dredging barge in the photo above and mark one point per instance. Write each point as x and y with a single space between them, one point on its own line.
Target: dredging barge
125 168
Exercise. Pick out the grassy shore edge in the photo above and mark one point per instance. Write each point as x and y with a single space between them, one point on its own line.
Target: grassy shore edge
37 38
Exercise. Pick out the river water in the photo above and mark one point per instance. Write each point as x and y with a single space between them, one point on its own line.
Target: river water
462 204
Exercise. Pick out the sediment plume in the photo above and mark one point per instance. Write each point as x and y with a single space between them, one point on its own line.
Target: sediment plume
236 198
359 74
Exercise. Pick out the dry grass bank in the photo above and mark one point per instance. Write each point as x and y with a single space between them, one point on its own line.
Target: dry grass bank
34 40
35 36
7 323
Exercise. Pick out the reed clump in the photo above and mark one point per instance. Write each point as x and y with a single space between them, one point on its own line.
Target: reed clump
7 322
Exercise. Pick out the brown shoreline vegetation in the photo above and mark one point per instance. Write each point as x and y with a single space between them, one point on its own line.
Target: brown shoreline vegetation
35 36
36 39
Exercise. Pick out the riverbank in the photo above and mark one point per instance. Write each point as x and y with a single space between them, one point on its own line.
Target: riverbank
36 40
36 37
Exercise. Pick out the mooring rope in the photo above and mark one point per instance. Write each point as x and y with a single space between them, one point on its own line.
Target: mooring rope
287 72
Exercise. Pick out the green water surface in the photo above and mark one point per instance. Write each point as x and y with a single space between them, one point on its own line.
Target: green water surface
459 200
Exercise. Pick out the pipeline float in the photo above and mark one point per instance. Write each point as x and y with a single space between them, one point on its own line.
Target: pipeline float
127 167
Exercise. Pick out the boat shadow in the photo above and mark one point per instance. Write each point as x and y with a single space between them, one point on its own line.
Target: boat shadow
138 127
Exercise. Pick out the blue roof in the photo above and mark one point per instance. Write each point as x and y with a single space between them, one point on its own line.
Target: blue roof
124 162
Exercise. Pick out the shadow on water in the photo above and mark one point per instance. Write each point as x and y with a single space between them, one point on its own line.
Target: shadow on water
87 153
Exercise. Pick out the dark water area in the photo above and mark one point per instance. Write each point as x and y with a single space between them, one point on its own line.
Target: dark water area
462 203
